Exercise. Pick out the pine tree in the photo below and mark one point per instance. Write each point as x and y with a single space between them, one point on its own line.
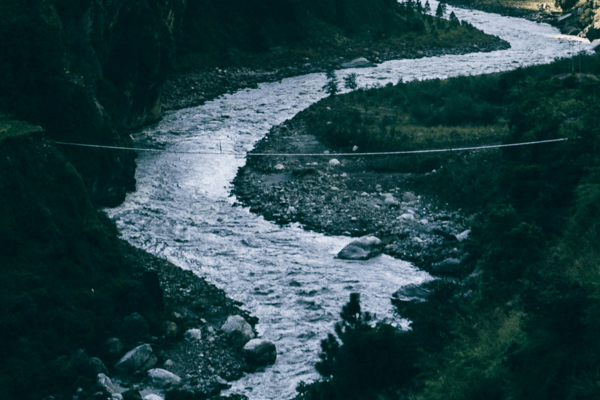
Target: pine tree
441 10
332 85
454 21
419 7
427 8
350 81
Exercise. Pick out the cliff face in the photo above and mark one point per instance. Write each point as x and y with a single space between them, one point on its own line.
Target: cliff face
88 72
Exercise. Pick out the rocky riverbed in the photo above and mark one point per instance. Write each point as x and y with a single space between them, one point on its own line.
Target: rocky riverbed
341 195
202 346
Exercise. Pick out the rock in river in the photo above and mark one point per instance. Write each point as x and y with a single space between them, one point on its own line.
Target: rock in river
237 327
360 62
362 249
413 292
260 352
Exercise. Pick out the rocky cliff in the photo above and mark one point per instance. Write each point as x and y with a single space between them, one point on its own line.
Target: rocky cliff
88 72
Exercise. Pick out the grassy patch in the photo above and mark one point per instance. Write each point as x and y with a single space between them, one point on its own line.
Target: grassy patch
10 128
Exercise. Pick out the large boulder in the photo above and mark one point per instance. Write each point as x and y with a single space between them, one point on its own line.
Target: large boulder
360 62
260 352
237 327
363 248
142 357
413 292
161 378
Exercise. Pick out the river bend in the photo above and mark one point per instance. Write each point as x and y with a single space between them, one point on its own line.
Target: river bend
288 278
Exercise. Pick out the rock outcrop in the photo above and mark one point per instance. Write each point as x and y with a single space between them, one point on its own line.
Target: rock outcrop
87 73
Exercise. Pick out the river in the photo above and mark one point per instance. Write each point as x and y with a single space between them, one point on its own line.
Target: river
288 278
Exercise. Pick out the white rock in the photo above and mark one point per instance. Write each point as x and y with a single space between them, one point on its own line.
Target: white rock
140 357
193 334
334 162
117 396
355 148
463 235
424 222
344 175
390 200
105 383
169 363
161 378
407 217
362 249
260 352
335 189
418 239
152 396
360 62
236 324
279 167
291 210
364 194
326 152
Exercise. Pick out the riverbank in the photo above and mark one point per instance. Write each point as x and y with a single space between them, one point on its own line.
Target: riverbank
576 18
345 195
80 301
192 346
195 84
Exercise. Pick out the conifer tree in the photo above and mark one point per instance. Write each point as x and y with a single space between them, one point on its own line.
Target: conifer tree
350 81
332 86
419 7
427 7
454 21
441 10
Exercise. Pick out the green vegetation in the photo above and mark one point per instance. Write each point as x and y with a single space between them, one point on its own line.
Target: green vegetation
64 285
270 33
524 325
10 128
